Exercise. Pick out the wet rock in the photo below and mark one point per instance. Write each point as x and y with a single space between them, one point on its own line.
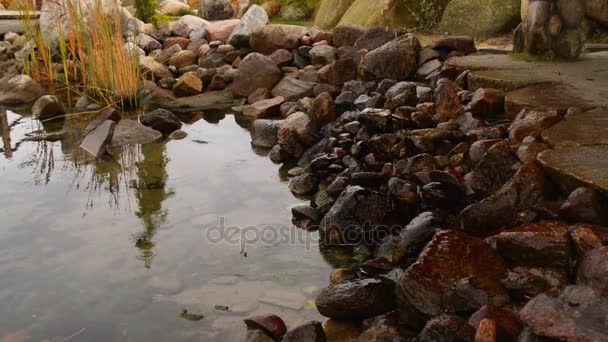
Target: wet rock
99 138
505 322
530 149
308 332
131 132
593 270
487 102
447 101
264 108
403 56
341 330
322 55
271 324
493 171
442 195
20 89
572 167
415 164
267 39
161 120
257 335
385 328
580 129
297 133
412 239
254 18
254 72
584 239
501 210
339 72
47 107
532 123
576 314
292 89
354 211
178 135
357 300
585 205
187 85
446 328
303 184
527 282
431 285
264 133
543 244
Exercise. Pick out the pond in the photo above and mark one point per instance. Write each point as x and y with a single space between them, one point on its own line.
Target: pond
116 250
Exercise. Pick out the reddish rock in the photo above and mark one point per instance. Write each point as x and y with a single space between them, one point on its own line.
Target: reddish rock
403 56
339 72
493 171
292 89
375 37
264 108
530 149
308 332
347 35
487 102
183 59
218 82
195 45
181 41
271 324
524 283
281 57
578 313
532 122
270 38
447 328
584 239
585 205
385 328
505 322
356 300
447 101
487 331
527 188
593 270
323 110
221 30
454 273
480 148
326 88
544 244
258 95
254 72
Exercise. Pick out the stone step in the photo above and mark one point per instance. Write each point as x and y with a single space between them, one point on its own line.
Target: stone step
581 129
10 20
572 167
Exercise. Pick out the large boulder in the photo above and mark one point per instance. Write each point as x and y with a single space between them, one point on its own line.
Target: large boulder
455 273
255 71
267 39
188 23
480 18
20 89
396 60
329 12
598 10
297 133
215 9
173 7
254 18
357 300
47 107
370 13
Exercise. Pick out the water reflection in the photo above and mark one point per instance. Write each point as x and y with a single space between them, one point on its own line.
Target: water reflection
6 134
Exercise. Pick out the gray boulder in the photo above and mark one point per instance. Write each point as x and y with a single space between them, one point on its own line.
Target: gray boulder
20 89
254 18
480 18
215 9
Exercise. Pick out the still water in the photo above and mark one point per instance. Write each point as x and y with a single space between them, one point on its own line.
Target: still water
116 250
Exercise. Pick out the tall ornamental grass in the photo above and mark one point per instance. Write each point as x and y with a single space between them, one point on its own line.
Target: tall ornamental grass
89 56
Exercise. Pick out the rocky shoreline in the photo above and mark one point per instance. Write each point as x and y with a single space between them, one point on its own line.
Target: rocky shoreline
467 229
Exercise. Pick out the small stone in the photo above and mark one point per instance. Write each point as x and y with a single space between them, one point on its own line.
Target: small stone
47 107
487 102
178 135
161 120
187 85
264 108
356 300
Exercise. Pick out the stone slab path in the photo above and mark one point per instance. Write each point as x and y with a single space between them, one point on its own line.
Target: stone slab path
9 21
579 154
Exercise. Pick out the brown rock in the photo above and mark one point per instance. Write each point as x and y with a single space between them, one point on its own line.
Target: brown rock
524 283
187 85
357 300
487 102
374 38
341 330
505 321
269 38
447 101
271 324
218 82
544 244
446 328
258 95
264 108
254 72
463 44
308 332
584 239
292 89
181 41
593 270
532 123
339 72
385 328
323 110
281 57
585 205
493 171
183 58
396 60
347 35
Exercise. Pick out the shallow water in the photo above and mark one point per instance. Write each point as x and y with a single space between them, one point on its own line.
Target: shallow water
116 250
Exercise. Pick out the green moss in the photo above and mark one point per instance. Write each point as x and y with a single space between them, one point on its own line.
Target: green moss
145 9
159 19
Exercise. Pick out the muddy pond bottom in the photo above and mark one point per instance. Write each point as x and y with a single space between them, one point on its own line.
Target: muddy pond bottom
169 241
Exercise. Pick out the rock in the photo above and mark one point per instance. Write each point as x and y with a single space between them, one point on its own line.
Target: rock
148 43
161 120
584 239
308 332
412 239
572 167
479 149
487 102
131 132
597 10
322 54
527 188
254 72
19 90
544 244
267 39
188 23
454 273
493 171
257 335
463 44
529 149
356 300
442 195
221 30
183 59
169 42
215 9
264 108
403 191
296 133
339 72
385 328
178 135
264 133
47 107
403 56
258 94
347 35
446 328
173 8
97 141
479 19
254 18
593 270
153 69
187 85
427 69
447 101
585 205
303 184
271 324
584 128
348 218
330 12
504 319
292 89
306 217
374 38
576 314
532 123
524 283
323 110
281 57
